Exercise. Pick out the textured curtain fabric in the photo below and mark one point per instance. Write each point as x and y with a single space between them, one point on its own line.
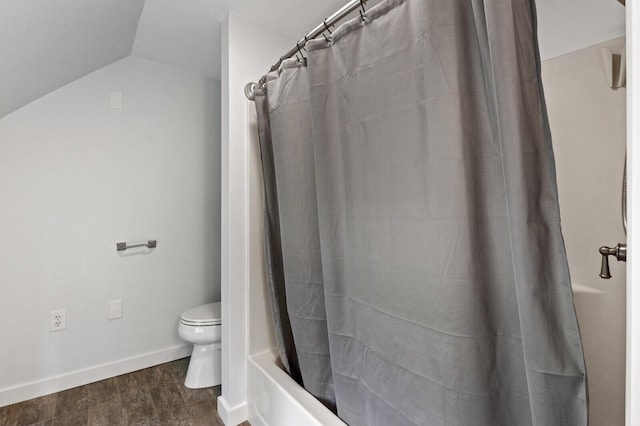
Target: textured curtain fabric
273 246
425 271
289 118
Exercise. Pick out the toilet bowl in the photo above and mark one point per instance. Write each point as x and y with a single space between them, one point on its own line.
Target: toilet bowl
201 326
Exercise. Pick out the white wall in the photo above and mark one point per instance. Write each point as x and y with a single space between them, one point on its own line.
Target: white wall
565 26
77 176
588 126
248 51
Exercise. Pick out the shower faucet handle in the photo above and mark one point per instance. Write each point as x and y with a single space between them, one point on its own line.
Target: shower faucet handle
619 251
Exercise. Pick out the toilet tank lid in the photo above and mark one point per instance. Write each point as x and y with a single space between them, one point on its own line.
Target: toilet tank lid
208 312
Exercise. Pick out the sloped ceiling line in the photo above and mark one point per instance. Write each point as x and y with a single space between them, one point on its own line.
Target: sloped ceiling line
48 44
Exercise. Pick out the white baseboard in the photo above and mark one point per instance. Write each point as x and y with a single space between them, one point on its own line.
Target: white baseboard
232 416
85 376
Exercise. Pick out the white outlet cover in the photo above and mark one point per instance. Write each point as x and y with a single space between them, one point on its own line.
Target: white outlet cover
115 309
57 320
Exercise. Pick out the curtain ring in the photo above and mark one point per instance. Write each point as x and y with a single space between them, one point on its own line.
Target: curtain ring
363 17
276 66
262 83
326 27
363 12
300 51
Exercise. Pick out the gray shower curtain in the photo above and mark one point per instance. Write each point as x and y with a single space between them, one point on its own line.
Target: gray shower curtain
424 270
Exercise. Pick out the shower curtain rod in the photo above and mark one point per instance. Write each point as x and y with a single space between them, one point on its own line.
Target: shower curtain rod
326 25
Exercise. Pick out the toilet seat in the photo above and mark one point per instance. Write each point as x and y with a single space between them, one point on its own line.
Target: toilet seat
200 323
201 316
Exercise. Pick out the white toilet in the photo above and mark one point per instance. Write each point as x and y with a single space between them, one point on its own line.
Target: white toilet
201 326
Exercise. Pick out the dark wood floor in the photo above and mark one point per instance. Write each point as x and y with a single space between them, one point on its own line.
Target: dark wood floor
150 397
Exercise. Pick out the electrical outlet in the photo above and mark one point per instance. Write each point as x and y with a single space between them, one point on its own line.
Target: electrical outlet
57 320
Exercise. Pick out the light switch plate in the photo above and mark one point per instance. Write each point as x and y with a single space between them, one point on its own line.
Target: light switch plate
115 309
115 99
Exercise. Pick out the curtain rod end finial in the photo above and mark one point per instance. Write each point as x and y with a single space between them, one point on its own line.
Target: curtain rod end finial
249 91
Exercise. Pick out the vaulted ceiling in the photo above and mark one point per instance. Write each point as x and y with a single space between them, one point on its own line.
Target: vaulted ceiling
45 45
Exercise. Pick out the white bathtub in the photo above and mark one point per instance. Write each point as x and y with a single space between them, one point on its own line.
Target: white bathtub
276 400
601 315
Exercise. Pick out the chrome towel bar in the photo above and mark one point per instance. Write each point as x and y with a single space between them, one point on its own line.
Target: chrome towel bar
124 246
